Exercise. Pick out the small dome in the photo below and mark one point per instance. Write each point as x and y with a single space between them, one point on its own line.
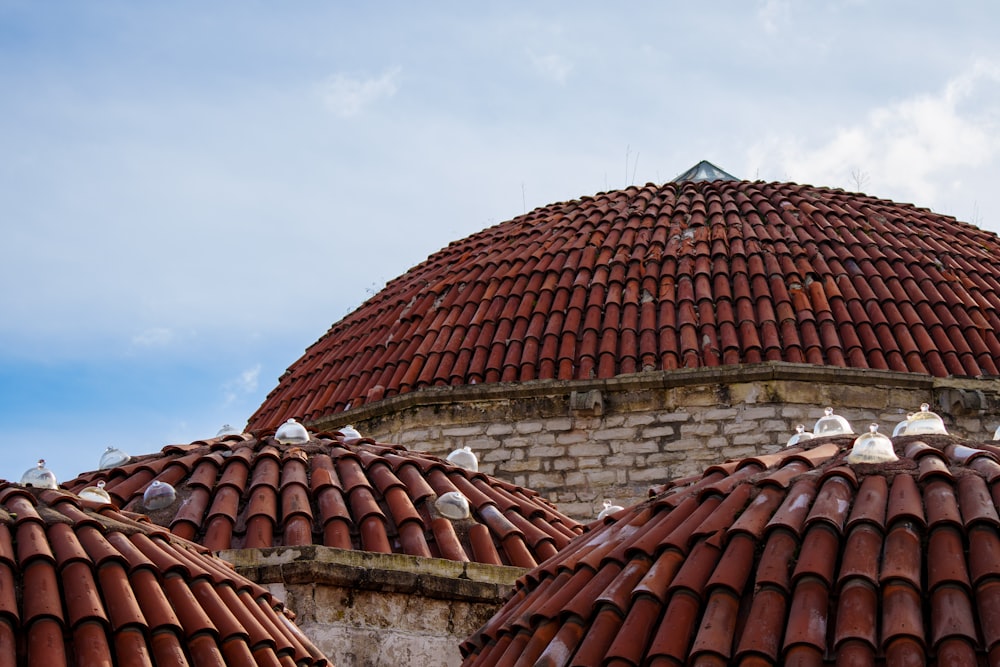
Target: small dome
453 505
925 422
800 435
39 477
228 429
96 494
465 458
349 432
608 509
158 495
292 433
112 457
831 424
872 447
900 428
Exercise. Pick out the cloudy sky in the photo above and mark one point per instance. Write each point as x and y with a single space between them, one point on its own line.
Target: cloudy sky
191 193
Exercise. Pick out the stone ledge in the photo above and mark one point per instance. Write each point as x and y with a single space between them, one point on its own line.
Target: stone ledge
398 573
725 375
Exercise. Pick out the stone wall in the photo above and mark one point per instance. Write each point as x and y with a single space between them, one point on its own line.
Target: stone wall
579 443
379 610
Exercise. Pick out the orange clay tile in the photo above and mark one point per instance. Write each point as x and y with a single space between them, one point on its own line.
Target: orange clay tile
353 494
93 585
833 563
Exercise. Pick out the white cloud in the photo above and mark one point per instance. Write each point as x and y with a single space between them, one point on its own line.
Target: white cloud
243 384
551 66
154 337
772 14
347 96
918 147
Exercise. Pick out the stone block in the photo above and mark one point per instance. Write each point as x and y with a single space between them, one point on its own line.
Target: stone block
602 477
655 475
717 414
462 431
419 435
738 452
699 429
748 392
499 429
684 444
559 424
797 413
663 458
523 465
528 427
543 451
571 438
498 454
620 433
643 447
540 481
564 463
480 444
640 419
759 412
733 428
778 426
652 432
589 449
673 417
620 461
752 439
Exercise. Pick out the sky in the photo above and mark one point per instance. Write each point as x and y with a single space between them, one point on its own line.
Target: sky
191 193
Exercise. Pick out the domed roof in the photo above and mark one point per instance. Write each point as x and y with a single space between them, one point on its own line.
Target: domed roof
695 273
240 492
86 584
792 558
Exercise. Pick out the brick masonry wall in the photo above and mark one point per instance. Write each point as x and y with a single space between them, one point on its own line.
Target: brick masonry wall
581 443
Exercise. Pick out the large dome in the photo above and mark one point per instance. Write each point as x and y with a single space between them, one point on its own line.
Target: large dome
693 273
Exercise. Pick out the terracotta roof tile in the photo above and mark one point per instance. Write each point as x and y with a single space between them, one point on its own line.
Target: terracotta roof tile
806 274
356 494
796 557
90 584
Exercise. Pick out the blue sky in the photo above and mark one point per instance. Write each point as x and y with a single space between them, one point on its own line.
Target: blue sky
191 193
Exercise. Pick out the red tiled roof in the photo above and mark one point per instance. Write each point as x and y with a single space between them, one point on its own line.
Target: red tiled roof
663 277
242 492
791 558
82 583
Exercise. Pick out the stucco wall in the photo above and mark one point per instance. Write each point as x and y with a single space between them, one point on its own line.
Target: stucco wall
579 443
